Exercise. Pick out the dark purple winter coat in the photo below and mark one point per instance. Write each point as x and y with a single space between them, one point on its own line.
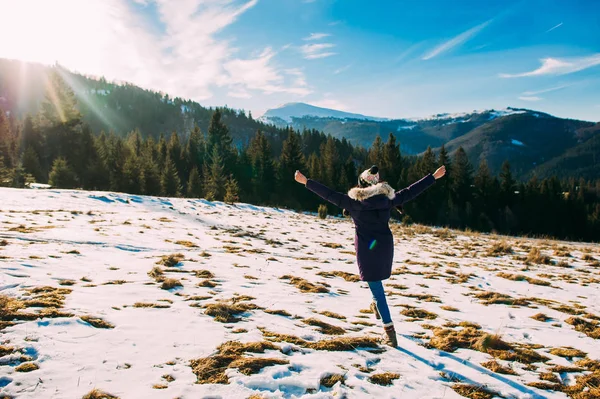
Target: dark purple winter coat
370 209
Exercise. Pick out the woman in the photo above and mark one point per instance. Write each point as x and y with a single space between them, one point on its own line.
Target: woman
370 206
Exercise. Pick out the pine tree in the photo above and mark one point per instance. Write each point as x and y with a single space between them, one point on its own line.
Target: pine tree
391 164
231 191
169 180
195 149
219 138
331 163
507 184
174 152
31 164
376 152
214 177
133 175
291 159
61 175
194 185
6 141
263 170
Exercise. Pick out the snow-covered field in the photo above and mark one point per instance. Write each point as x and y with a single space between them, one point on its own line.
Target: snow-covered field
82 299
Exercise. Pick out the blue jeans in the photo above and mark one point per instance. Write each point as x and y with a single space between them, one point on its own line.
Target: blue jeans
379 298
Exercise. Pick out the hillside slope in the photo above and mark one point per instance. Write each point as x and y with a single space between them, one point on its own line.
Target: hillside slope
156 297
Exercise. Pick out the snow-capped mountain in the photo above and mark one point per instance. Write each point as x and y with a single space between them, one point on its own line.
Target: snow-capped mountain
287 112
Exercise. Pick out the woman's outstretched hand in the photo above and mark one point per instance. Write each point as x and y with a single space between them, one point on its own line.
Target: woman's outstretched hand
440 172
300 178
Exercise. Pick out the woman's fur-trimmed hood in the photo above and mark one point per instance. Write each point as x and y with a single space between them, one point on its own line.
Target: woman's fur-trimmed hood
361 194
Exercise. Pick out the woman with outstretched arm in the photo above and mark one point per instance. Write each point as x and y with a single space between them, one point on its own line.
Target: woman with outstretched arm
369 205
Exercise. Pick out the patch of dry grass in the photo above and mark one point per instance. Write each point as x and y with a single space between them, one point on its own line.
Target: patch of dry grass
332 315
567 352
171 260
150 305
541 317
474 391
305 285
338 344
589 328
231 354
98 394
50 299
332 245
186 243
489 298
416 313
345 275
500 248
170 283
203 274
207 284
449 308
498 368
332 379
536 256
521 277
97 322
324 328
228 311
384 379
26 367
279 312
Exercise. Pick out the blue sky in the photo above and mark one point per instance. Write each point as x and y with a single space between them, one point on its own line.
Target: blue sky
387 58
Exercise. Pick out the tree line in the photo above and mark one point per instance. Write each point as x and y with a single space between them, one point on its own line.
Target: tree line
57 147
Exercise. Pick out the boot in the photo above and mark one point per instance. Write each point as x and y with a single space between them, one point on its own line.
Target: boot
390 338
375 310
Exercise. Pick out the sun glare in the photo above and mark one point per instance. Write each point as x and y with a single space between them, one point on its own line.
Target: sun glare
63 31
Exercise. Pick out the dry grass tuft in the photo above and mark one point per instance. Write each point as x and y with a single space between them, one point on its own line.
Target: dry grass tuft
474 391
541 317
345 275
170 283
500 248
449 308
334 344
324 328
157 274
3 243
279 312
489 298
150 305
50 299
498 368
97 322
160 386
332 379
207 284
203 274
416 313
171 260
26 367
332 245
520 277
567 352
66 282
98 394
227 311
6 350
589 328
211 370
536 256
332 315
185 243
305 285
384 379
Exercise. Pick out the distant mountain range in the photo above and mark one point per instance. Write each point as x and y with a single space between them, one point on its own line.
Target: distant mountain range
532 141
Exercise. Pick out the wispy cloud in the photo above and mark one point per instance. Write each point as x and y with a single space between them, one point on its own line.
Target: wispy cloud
456 41
258 74
530 98
535 93
554 27
342 69
184 57
317 50
556 66
317 36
